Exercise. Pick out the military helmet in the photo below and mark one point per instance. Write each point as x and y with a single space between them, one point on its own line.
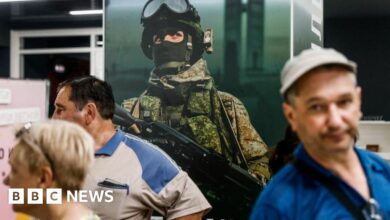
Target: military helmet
171 13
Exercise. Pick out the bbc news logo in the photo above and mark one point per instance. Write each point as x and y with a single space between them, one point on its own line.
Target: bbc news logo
54 196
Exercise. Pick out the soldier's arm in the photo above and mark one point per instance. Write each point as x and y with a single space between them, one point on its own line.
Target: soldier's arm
253 147
128 104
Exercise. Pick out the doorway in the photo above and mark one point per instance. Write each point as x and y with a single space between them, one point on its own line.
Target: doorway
56 55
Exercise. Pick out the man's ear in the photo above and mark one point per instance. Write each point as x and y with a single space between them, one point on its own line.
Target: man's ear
289 113
46 178
90 113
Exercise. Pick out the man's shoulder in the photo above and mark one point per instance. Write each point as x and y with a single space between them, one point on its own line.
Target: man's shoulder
145 149
282 196
284 179
283 189
158 169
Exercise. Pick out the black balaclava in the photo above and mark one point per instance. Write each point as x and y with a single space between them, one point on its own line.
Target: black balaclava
169 57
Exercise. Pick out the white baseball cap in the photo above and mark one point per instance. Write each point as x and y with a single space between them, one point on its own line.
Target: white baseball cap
309 59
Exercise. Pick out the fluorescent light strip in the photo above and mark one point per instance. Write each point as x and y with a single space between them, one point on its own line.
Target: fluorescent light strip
86 12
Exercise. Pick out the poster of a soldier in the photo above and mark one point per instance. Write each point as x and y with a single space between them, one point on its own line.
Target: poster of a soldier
208 132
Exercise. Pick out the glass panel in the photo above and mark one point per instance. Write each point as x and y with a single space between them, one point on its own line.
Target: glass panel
56 68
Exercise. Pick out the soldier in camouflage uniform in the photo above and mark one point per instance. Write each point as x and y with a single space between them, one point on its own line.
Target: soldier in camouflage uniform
182 93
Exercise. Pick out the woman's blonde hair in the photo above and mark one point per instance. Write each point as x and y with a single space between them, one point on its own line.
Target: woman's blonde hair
64 146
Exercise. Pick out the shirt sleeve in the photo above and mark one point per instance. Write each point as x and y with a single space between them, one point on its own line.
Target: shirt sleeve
184 197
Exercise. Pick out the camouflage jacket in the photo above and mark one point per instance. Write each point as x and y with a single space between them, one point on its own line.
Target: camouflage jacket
190 89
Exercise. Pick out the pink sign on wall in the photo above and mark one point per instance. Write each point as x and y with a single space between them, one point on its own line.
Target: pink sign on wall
21 101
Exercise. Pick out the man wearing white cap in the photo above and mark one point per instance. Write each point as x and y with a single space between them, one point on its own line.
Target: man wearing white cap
330 178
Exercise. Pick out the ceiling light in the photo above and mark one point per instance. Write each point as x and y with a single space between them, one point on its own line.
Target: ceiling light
86 12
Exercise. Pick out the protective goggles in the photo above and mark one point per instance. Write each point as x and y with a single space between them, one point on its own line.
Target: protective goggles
153 6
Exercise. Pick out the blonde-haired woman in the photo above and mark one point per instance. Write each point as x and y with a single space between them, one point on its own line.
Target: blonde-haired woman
51 154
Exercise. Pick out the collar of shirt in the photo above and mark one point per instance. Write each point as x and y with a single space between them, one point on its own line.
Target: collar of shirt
109 148
370 166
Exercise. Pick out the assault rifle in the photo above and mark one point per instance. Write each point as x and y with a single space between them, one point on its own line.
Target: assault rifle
230 189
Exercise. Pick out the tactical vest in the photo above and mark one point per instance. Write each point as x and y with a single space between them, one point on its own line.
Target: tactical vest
194 109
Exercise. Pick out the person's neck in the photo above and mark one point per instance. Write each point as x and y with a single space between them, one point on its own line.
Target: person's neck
346 165
335 161
102 132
